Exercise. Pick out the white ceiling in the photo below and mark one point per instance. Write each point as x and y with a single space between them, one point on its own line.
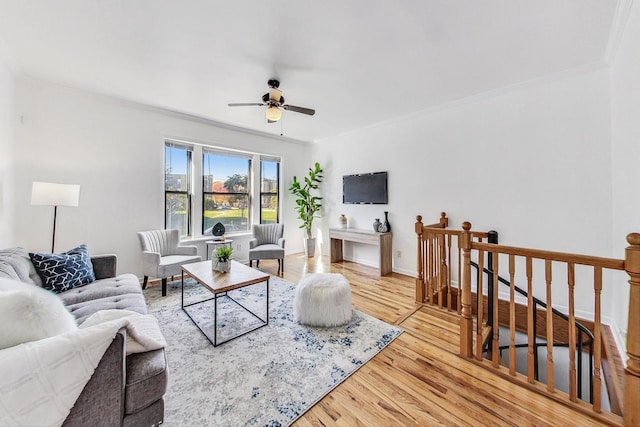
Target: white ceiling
357 62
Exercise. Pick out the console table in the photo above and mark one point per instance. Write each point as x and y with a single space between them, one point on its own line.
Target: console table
381 240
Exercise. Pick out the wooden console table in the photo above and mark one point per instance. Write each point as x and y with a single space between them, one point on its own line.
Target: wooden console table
381 240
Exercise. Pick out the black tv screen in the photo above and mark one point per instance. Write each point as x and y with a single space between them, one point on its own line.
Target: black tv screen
365 188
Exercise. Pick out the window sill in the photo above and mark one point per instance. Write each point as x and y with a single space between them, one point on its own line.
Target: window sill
202 239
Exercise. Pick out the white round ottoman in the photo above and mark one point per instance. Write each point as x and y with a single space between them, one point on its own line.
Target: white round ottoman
322 299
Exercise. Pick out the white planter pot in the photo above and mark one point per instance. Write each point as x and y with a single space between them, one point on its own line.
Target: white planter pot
310 247
221 266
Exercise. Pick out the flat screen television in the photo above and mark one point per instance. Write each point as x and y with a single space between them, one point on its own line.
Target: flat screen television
365 188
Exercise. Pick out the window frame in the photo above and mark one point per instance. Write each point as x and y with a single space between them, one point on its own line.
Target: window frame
248 194
196 194
277 193
189 177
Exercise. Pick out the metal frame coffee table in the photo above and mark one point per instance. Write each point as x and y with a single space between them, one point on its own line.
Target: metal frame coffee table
219 284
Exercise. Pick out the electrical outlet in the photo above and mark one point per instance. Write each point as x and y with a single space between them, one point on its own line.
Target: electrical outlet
239 246
399 254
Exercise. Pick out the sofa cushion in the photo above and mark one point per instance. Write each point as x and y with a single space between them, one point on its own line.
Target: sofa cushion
15 263
146 381
61 272
30 313
120 292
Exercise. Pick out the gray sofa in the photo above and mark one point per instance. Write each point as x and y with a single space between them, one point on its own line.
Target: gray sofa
124 390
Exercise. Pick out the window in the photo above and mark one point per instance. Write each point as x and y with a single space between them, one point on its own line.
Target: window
177 187
225 191
205 185
269 190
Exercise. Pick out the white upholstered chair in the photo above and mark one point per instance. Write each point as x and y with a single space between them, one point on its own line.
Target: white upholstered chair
267 243
162 257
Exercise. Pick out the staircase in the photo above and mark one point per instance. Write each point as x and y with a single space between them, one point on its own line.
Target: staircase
501 322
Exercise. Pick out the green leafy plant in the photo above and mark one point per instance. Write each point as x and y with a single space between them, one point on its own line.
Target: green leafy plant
308 204
223 253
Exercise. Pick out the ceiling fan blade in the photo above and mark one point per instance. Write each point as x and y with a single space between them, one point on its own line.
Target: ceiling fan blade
245 104
302 110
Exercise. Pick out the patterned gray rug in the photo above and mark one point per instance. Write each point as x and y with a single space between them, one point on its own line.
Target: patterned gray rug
268 377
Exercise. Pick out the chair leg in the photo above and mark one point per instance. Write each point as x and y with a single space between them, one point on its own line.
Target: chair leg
144 282
257 263
250 263
282 261
164 287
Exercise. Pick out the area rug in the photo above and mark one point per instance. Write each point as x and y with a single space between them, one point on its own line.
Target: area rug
268 377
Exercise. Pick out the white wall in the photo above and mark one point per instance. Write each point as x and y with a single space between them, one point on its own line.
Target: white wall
625 147
115 151
532 162
7 118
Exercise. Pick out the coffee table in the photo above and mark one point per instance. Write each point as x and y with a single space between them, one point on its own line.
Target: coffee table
219 284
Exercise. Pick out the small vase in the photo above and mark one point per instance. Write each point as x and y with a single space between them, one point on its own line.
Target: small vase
343 221
376 224
387 226
222 266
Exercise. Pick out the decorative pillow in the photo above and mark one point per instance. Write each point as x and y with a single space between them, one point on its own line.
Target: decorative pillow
30 313
61 272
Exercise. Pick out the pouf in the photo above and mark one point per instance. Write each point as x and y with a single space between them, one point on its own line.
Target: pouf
322 299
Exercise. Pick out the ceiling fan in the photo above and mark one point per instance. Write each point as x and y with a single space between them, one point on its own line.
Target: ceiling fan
274 100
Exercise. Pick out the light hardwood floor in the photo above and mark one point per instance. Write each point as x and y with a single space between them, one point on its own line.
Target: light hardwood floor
419 379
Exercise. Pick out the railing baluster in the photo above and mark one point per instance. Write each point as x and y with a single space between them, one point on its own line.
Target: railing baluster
597 362
550 369
479 299
460 261
495 327
531 366
419 229
449 273
440 242
512 315
572 333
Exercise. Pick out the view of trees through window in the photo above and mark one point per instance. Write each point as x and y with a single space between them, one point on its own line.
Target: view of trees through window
177 188
269 185
228 193
225 191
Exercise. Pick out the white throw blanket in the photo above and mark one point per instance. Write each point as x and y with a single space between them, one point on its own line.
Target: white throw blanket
40 381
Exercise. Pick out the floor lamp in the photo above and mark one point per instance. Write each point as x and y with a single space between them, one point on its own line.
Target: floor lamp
49 194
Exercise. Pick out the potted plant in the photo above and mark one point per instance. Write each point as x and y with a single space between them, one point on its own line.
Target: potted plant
222 260
308 204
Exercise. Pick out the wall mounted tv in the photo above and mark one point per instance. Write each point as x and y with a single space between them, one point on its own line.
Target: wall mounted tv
365 188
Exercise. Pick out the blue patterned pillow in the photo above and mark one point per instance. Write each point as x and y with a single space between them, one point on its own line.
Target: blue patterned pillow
61 272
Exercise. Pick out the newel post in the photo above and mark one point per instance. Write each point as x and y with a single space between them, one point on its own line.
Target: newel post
420 277
632 372
444 221
466 319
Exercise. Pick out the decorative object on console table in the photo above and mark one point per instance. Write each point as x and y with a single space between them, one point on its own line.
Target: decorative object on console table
222 260
343 221
385 227
49 194
376 224
308 204
217 231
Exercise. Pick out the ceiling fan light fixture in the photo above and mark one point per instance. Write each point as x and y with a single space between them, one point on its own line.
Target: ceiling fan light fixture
273 113
275 94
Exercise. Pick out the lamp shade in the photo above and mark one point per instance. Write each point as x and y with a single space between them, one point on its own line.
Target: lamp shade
273 113
46 193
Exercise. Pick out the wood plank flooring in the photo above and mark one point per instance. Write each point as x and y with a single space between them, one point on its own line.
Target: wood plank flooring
419 380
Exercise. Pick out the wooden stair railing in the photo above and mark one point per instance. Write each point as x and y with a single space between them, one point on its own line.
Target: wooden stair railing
437 244
631 264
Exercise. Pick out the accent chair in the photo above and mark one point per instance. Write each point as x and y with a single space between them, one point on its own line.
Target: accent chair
162 257
267 243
